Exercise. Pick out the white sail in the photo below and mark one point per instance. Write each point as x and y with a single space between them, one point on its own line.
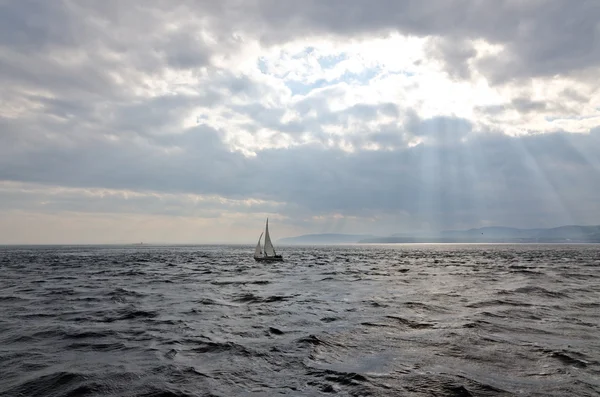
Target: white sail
269 250
258 250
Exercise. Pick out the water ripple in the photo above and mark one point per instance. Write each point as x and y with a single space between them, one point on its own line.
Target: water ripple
410 320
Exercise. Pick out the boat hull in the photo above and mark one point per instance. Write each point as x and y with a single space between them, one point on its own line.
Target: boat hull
276 258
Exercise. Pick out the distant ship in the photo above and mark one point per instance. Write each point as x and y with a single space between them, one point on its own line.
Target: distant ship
268 255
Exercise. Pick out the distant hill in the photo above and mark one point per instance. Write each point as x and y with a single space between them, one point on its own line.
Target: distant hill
556 234
324 239
492 234
498 234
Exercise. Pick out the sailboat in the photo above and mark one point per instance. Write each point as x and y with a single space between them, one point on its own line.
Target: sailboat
268 255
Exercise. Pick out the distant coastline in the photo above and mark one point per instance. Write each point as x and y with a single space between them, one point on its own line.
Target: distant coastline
324 239
494 234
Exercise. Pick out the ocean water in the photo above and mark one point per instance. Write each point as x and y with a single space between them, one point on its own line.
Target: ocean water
403 320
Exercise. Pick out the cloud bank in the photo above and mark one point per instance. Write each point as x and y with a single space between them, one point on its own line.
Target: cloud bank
202 118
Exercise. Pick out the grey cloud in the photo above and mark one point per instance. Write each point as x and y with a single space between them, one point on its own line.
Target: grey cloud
64 108
32 25
315 114
491 109
442 129
116 42
526 105
87 51
38 73
370 112
363 112
80 62
44 200
560 38
541 38
388 136
455 53
574 95
185 49
266 117
158 114
448 182
490 176
568 104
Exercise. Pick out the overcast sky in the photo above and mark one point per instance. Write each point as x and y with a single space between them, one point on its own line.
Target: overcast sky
192 121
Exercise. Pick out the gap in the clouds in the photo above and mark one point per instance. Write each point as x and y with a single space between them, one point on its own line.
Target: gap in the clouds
330 61
302 88
309 67
307 91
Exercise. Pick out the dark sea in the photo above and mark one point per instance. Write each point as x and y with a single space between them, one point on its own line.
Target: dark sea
398 320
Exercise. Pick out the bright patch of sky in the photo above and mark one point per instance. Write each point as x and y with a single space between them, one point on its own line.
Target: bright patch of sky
331 76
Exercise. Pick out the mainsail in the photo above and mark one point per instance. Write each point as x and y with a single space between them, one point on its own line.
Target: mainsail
269 250
258 250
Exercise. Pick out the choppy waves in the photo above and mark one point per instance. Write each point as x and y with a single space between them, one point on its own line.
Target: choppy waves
413 320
